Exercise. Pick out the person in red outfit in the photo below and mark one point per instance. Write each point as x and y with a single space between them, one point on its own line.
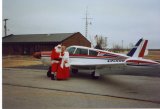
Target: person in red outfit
55 61
63 71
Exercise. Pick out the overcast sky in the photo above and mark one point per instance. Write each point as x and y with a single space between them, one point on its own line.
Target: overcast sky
126 20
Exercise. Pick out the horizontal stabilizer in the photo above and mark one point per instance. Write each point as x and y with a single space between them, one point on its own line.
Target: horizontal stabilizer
141 62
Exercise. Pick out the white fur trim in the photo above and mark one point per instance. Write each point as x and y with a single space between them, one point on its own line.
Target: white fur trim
65 58
54 61
67 65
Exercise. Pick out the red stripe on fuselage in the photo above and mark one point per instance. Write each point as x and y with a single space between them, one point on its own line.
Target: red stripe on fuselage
48 53
79 55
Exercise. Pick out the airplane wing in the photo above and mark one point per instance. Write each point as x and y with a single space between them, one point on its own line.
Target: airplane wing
97 65
138 62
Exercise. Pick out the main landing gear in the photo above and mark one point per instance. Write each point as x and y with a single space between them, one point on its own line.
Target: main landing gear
95 75
74 71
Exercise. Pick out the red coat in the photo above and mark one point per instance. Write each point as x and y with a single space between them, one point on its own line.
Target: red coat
55 57
63 73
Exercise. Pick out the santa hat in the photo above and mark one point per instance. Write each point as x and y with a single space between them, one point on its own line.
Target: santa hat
58 46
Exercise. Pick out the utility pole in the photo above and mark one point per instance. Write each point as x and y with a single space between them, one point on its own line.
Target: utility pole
86 23
122 44
5 26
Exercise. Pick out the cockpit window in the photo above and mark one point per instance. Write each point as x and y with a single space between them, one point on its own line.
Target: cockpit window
81 51
93 53
71 50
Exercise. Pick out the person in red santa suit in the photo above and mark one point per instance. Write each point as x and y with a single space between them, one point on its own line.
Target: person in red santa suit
55 61
63 71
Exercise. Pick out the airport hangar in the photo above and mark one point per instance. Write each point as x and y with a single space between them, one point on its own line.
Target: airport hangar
30 43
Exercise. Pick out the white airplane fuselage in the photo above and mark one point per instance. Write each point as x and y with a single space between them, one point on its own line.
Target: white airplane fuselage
81 57
86 58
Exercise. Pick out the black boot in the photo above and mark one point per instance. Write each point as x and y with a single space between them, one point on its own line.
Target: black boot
52 77
49 72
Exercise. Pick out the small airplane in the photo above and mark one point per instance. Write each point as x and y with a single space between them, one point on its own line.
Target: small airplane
94 59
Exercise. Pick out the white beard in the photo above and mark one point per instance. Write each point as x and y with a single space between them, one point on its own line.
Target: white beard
58 50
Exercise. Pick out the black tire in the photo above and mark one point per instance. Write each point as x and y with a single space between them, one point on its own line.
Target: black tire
93 75
75 71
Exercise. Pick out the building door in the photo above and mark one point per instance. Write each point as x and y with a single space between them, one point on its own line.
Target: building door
26 50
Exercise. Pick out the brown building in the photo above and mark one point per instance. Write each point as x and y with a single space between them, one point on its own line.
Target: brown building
28 44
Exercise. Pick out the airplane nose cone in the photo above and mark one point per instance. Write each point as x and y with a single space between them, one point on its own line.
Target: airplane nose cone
37 55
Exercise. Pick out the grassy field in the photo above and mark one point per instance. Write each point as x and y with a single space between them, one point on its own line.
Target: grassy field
20 61
154 55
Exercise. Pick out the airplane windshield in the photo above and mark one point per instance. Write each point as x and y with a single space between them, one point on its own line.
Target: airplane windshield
71 50
81 51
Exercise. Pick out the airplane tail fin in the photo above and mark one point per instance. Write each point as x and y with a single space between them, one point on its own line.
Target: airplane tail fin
139 50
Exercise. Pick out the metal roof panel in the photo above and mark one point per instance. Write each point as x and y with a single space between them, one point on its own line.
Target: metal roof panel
58 37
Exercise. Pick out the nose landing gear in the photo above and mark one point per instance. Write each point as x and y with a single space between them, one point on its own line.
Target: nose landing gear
95 75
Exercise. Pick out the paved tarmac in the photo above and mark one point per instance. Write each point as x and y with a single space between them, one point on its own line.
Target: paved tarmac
30 89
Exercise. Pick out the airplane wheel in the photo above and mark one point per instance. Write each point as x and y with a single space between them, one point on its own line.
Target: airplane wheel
49 72
75 71
93 75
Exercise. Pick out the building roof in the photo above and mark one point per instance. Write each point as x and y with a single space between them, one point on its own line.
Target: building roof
58 37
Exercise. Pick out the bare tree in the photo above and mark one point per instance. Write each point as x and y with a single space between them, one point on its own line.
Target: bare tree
116 48
101 42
